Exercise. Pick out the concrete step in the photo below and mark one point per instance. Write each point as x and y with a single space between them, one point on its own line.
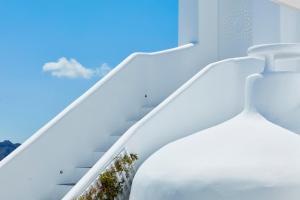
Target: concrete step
90 160
143 112
73 176
122 130
61 190
107 144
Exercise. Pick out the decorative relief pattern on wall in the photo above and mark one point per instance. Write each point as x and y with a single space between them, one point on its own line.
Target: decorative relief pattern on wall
235 26
237 23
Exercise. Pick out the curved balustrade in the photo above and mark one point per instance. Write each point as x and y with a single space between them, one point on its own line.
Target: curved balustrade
272 52
212 96
277 96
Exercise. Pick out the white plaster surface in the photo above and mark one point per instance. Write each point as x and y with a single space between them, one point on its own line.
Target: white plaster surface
245 158
291 3
187 98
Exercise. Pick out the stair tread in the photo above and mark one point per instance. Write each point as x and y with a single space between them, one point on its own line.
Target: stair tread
129 123
84 167
143 112
91 159
150 105
61 190
108 144
66 184
110 141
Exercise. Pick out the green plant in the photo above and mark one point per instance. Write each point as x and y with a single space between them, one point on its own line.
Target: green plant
109 183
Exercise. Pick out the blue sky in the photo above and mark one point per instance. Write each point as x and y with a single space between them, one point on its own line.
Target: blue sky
97 34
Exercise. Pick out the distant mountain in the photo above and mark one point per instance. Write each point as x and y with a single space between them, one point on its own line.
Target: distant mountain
6 147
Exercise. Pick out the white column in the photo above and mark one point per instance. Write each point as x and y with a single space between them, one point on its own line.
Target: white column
188 21
198 23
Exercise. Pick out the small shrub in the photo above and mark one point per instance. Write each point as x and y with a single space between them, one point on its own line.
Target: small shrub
108 185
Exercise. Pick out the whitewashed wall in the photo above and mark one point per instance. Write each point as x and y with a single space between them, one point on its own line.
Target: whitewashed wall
212 96
277 98
209 98
290 24
227 28
276 94
33 170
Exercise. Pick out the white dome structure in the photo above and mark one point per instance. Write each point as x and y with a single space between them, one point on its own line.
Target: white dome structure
245 158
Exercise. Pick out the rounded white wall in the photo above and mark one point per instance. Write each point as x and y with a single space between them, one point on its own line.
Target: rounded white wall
277 98
212 96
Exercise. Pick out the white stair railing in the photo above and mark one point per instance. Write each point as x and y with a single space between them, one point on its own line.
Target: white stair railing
138 134
272 52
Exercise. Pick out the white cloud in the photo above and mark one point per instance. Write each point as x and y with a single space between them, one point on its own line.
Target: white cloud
73 69
103 70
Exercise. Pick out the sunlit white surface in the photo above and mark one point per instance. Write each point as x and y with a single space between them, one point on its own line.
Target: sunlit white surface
185 94
291 3
245 158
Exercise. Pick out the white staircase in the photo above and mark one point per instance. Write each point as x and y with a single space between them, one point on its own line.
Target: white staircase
68 153
66 148
200 100
79 171
192 106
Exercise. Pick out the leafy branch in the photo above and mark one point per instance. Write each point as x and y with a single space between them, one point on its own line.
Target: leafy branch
109 185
